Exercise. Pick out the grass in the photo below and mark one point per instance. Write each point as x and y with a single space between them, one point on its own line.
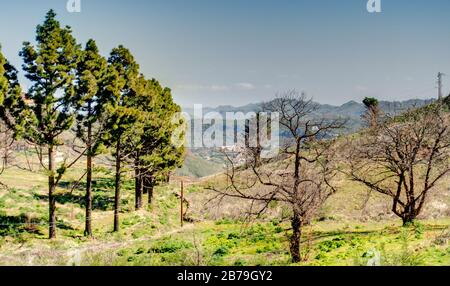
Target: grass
153 236
263 244
195 166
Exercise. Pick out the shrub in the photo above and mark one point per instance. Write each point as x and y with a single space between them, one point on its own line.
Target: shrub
221 251
234 235
169 246
140 250
329 245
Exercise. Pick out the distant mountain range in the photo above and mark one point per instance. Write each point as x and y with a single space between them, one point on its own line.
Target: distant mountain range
352 110
203 161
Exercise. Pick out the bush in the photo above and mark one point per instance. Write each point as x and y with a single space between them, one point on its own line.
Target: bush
278 229
224 221
169 246
329 245
234 235
221 251
140 250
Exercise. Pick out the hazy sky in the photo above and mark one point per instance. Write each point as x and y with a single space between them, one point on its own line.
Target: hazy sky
217 52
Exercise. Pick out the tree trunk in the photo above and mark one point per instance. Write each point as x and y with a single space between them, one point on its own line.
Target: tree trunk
144 182
294 240
407 221
51 192
409 217
137 184
117 188
88 225
149 187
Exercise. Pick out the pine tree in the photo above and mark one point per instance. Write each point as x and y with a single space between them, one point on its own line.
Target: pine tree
4 82
95 92
150 141
50 66
123 116
159 153
12 104
373 112
133 145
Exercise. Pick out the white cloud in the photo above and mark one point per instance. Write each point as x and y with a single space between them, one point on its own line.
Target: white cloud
245 86
242 86
219 88
199 87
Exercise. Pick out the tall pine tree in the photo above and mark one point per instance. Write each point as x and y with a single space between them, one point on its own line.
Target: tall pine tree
96 90
50 66
123 116
159 153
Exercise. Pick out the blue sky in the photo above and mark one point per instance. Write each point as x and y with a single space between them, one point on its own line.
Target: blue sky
219 52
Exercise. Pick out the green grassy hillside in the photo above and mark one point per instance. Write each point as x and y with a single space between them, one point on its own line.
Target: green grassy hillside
342 235
196 166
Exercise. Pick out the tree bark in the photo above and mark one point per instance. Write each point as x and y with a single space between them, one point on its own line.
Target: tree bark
407 221
137 184
117 187
88 225
144 182
149 187
51 192
296 223
409 216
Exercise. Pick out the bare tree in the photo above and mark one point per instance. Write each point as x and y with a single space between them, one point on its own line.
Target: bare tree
302 175
403 158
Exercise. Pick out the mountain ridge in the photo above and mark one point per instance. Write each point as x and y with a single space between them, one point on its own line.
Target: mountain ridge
384 104
352 110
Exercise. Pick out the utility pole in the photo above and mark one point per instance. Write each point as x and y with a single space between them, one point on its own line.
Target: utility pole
440 85
181 205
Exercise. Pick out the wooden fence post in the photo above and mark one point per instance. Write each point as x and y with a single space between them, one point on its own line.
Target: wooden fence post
181 204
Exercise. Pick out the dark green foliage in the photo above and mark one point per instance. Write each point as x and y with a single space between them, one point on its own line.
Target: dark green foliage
329 245
159 150
111 103
370 102
221 251
12 106
16 225
50 66
144 122
95 93
169 246
122 114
